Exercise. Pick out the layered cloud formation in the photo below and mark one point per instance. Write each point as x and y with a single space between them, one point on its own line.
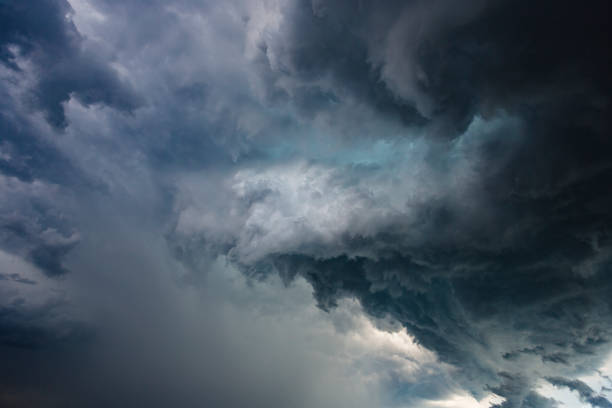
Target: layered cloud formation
178 177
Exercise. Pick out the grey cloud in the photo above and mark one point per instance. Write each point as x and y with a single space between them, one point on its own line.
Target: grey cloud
482 225
39 327
452 61
34 226
512 263
157 342
16 278
464 325
318 62
43 33
27 157
35 312
514 388
586 393
478 271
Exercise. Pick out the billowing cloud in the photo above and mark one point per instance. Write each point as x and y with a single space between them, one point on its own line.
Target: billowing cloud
491 248
178 177
41 38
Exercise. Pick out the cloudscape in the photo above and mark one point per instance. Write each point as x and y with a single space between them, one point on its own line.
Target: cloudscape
305 203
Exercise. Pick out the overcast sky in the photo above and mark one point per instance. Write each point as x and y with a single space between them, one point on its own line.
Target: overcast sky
305 203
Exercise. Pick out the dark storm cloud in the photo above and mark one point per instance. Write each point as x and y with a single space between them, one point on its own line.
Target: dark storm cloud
29 157
466 316
133 348
322 53
526 273
34 328
443 60
33 220
42 32
39 243
33 223
471 202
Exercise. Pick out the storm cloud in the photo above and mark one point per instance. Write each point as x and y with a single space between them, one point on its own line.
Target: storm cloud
42 36
416 195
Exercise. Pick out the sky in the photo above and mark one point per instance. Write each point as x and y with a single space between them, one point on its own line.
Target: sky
305 203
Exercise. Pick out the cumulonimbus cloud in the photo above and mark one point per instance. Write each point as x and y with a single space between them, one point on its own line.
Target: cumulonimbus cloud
446 165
